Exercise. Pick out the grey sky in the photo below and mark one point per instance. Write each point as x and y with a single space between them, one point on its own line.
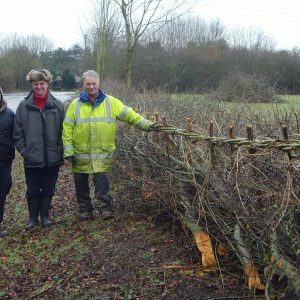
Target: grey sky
59 20
277 18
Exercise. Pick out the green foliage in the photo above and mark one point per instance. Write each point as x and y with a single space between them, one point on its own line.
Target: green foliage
14 257
2 294
76 247
127 293
68 79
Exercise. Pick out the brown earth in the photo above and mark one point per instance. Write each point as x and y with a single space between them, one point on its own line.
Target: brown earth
141 254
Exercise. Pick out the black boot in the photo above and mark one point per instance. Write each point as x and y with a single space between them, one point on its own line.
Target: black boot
33 208
106 203
45 203
3 233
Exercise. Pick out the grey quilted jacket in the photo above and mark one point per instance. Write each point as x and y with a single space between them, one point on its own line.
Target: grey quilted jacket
37 133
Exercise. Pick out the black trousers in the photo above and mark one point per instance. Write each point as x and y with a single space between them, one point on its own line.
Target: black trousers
5 186
101 184
41 182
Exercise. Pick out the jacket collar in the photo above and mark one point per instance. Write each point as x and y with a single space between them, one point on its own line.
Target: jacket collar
85 98
30 102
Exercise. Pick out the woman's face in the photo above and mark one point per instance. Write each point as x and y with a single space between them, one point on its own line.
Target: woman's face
40 87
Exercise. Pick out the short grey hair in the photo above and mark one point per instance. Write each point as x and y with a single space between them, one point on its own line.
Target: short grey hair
90 73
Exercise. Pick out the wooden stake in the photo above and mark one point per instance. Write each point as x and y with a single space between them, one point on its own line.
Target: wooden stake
211 128
250 137
284 130
231 132
212 147
167 137
189 128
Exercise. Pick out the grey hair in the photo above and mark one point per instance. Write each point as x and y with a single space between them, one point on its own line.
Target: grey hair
90 73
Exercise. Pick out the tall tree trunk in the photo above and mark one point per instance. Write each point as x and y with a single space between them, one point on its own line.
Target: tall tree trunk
128 68
101 55
128 45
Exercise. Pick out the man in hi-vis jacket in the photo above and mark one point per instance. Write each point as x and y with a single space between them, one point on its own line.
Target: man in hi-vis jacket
89 133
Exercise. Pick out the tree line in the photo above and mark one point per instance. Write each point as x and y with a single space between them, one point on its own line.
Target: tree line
151 50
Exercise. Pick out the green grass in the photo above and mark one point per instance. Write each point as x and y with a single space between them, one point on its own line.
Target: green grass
287 102
263 116
76 247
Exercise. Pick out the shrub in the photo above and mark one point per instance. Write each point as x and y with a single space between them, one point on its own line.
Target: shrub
242 87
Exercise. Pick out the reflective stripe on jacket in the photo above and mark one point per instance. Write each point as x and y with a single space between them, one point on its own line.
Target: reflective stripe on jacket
89 132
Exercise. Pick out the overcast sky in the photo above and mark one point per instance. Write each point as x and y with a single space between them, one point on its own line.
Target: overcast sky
277 18
60 20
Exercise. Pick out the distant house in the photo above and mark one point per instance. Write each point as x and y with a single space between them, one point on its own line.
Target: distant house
57 83
77 82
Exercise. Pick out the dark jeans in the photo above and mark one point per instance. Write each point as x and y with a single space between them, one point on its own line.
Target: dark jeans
5 185
41 181
101 184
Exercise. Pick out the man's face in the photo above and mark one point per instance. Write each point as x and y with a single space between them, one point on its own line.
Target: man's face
40 87
91 85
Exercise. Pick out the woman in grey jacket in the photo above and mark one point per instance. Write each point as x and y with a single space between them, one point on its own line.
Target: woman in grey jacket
38 137
7 154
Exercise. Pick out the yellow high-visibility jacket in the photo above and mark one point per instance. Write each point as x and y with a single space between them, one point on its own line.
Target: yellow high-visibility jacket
89 131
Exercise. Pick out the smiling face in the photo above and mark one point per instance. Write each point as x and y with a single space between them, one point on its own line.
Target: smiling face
40 87
91 85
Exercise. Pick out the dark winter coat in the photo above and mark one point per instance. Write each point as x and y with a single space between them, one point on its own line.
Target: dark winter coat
38 133
7 149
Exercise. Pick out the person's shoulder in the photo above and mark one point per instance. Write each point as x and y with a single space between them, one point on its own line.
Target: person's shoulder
10 111
10 115
73 101
113 98
53 98
56 101
23 102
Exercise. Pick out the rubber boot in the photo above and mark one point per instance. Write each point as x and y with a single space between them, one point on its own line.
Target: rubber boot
45 203
3 233
33 208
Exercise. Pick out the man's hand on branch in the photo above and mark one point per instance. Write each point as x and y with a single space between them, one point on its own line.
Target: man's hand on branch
155 127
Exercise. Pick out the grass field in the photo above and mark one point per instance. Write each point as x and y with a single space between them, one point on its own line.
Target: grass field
267 118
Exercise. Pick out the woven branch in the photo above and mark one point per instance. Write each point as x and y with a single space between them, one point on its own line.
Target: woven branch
252 183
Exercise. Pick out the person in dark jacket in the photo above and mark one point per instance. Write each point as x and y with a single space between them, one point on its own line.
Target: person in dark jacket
7 154
38 137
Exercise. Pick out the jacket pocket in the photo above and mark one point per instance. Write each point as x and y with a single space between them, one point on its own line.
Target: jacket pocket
55 152
34 154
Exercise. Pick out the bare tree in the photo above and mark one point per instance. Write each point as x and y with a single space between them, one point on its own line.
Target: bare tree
140 15
34 43
104 29
253 39
180 32
38 43
19 54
